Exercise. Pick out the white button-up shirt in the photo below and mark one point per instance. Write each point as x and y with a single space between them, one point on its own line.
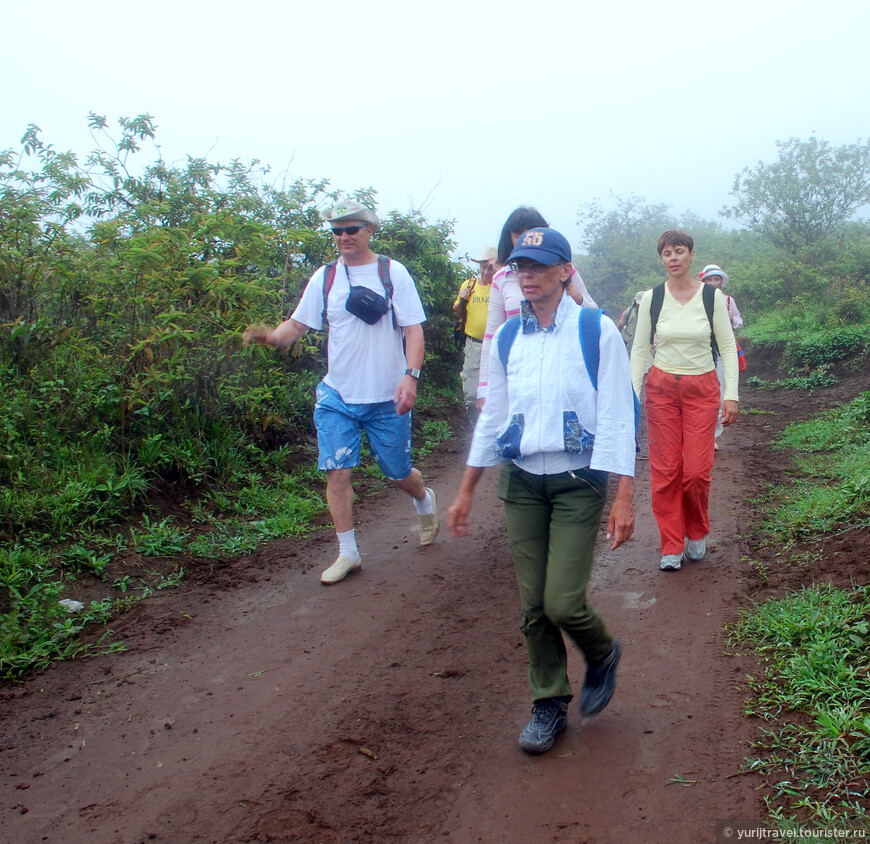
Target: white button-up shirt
544 403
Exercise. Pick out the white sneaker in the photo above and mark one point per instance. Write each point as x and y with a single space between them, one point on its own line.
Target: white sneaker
429 521
671 562
340 569
696 549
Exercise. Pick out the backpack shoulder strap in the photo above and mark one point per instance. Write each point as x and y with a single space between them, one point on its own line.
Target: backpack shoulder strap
506 339
328 279
655 308
709 294
589 324
384 275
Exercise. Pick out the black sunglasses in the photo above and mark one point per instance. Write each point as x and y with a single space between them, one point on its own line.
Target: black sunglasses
338 231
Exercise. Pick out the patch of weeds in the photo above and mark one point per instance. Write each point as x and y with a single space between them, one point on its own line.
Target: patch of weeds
753 411
80 557
825 347
260 512
761 571
160 539
433 433
35 630
816 380
834 487
815 697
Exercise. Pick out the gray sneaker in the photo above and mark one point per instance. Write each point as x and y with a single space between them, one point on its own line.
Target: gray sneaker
549 718
671 562
600 682
696 549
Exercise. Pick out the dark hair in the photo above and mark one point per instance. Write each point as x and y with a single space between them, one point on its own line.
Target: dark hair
521 220
673 237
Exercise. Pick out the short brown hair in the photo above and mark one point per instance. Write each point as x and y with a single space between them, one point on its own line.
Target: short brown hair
673 237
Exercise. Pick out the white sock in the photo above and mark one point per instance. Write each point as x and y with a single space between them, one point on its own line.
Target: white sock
347 545
426 506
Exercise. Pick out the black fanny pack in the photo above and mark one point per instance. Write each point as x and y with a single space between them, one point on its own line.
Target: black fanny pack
366 304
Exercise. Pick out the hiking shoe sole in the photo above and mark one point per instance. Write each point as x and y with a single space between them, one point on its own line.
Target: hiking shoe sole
696 549
600 682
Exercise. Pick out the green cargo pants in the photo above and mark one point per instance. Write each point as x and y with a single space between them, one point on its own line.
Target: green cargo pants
552 524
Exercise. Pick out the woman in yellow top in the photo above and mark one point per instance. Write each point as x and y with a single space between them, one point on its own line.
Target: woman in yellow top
682 398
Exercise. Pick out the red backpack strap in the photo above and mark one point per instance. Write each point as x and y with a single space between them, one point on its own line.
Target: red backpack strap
328 279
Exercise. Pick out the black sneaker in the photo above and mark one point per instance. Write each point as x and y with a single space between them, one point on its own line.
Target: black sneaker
600 682
549 717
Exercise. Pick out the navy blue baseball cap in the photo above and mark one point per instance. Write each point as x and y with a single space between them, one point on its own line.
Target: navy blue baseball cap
545 246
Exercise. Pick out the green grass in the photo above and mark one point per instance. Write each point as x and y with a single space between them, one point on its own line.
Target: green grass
809 383
79 509
815 698
833 466
35 630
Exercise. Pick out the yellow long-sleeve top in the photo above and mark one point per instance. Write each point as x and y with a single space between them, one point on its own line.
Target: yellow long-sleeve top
683 340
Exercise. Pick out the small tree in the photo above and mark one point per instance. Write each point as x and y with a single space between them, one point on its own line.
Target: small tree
804 195
621 244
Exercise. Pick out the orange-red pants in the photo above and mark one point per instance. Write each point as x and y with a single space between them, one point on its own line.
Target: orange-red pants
681 413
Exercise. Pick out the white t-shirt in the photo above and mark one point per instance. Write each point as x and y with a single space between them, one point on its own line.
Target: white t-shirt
366 362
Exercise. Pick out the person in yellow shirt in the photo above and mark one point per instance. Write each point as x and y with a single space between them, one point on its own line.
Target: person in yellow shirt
471 306
682 396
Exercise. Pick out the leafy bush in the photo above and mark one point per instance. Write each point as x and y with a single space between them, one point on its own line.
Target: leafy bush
124 291
827 347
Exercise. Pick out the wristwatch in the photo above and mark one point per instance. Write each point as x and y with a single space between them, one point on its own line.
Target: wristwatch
414 373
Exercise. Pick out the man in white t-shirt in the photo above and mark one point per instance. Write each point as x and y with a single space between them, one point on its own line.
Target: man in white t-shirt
373 368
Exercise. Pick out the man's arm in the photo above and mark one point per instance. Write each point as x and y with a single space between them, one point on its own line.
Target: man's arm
286 334
406 392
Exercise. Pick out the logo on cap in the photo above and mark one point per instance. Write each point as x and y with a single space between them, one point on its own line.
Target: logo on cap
532 238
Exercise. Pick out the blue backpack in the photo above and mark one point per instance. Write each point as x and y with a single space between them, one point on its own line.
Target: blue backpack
589 326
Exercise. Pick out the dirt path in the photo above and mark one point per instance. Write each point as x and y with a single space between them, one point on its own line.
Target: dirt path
256 705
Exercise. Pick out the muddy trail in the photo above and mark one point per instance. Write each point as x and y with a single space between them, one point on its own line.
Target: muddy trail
253 704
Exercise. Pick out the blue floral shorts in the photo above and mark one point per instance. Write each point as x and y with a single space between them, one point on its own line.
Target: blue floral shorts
339 433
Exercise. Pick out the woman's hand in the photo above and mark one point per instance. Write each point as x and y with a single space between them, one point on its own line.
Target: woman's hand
730 412
457 515
620 522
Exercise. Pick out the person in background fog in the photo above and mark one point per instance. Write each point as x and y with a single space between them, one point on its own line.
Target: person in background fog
713 274
471 307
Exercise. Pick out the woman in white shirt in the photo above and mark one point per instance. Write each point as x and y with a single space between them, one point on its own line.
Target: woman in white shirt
561 433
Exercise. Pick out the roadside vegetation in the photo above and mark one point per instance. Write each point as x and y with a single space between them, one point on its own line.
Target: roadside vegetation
814 642
139 437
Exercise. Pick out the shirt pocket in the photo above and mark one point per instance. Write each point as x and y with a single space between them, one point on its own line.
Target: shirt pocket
507 445
577 439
